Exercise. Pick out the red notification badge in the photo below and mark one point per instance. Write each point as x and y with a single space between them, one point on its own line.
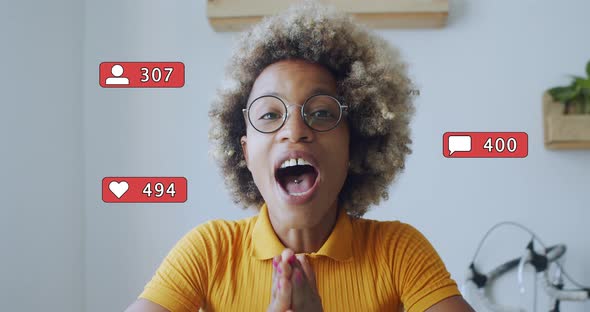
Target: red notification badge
485 144
144 189
141 74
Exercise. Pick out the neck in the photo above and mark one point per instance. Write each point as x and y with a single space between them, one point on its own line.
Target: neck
306 239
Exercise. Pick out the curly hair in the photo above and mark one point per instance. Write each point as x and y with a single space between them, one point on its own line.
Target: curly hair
371 79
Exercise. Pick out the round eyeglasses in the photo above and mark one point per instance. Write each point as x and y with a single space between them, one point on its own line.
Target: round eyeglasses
268 113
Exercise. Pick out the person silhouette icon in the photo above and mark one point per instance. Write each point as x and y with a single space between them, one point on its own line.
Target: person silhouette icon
117 71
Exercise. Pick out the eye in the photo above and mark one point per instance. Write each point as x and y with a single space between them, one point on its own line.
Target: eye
321 114
270 116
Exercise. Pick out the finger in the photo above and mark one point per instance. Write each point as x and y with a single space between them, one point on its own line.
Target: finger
297 264
287 254
306 270
301 290
309 273
285 269
284 295
275 263
301 287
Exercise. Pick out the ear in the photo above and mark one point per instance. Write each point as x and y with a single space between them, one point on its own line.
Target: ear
243 143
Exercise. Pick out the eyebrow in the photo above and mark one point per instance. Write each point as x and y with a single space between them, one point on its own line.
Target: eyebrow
314 91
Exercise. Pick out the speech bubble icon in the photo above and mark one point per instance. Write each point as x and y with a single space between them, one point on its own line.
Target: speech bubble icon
459 143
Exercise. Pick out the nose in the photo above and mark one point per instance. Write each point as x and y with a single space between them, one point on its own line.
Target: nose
295 129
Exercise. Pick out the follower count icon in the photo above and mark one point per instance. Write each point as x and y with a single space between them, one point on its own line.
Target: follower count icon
117 71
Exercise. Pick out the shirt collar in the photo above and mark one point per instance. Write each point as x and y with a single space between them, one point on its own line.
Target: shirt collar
266 244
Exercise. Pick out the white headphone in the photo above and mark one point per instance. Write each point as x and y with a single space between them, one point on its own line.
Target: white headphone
480 283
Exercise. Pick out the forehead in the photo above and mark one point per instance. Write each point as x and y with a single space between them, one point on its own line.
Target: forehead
294 79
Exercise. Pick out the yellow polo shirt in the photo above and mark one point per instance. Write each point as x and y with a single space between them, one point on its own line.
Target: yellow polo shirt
365 265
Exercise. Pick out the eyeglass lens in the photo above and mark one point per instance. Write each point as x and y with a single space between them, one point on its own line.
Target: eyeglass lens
268 113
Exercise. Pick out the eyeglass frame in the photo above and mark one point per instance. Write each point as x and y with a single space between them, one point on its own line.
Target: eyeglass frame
343 110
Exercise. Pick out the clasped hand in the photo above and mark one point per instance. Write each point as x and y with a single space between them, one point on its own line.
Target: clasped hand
293 285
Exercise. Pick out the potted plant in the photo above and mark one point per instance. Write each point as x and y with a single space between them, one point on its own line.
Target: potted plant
566 112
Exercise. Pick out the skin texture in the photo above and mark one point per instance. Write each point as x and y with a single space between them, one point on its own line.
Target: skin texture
302 228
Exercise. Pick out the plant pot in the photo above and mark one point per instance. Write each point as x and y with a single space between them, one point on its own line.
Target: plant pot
571 131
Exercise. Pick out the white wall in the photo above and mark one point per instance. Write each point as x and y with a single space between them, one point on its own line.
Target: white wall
486 71
63 249
147 132
41 231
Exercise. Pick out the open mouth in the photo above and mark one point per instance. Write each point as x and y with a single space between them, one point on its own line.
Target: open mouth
296 179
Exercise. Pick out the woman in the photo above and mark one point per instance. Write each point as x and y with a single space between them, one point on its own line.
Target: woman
312 129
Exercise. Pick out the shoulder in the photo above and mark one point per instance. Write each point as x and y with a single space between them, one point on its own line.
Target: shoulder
389 236
218 231
384 229
217 237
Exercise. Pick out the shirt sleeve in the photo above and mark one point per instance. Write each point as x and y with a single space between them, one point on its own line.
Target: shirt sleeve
419 273
180 282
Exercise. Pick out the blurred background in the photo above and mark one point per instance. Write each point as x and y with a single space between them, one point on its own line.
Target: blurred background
64 249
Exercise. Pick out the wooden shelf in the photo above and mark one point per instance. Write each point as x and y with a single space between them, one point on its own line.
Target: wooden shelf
237 15
564 131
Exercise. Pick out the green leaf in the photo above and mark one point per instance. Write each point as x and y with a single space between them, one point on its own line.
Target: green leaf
556 92
588 69
583 83
564 94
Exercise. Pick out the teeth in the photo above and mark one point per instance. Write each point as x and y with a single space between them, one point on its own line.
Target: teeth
294 162
301 161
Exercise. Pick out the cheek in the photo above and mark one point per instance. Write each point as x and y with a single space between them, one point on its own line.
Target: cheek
338 148
342 145
258 154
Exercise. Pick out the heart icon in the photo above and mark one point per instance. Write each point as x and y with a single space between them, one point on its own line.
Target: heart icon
118 188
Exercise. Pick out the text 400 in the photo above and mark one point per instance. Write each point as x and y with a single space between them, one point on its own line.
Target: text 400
156 74
500 145
159 190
